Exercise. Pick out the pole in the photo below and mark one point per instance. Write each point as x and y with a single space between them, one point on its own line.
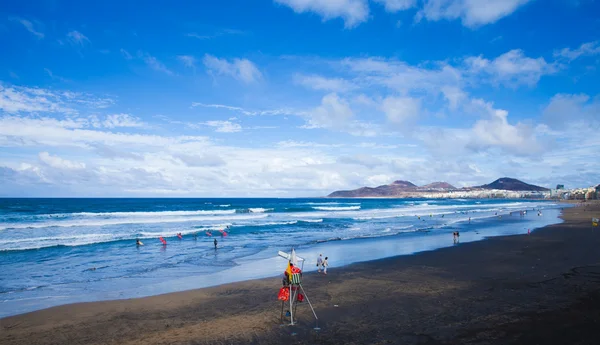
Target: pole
308 300
291 310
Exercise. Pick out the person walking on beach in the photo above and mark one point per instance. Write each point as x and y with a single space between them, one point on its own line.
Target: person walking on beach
319 262
325 265
215 243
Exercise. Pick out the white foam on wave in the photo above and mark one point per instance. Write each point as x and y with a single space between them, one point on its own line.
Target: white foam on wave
259 210
337 208
312 220
135 220
331 203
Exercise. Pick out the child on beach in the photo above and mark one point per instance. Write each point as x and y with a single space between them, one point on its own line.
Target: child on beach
325 264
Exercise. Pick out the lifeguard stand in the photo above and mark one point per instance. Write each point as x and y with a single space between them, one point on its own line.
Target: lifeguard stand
295 286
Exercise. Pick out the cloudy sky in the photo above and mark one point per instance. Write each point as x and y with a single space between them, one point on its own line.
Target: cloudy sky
290 98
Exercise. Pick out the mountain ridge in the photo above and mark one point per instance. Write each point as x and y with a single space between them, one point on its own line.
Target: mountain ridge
402 188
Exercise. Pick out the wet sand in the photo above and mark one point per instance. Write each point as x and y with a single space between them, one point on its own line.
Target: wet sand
542 288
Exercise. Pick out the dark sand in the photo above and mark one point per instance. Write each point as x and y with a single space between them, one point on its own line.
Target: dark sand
538 289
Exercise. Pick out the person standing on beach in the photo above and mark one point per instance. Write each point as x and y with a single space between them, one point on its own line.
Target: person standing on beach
319 262
215 243
325 265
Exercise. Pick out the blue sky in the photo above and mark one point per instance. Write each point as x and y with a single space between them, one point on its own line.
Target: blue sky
295 97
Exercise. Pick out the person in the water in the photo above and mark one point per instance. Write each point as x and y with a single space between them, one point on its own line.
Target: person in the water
215 243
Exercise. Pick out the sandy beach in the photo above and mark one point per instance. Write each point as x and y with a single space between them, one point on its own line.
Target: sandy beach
536 289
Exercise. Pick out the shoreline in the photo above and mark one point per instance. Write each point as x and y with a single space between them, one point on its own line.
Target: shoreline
265 263
452 293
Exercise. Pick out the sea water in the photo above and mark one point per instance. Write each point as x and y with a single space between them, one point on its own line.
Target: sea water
58 251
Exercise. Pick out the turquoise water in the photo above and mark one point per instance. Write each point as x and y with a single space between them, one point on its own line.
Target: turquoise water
57 251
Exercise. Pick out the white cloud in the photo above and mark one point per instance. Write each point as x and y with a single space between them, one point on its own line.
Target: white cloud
29 27
246 111
187 61
22 99
353 12
44 131
512 68
397 5
334 112
77 38
18 99
241 69
473 13
454 95
59 163
205 160
122 120
293 143
155 64
566 110
400 76
496 132
586 49
401 111
317 82
126 54
368 161
224 126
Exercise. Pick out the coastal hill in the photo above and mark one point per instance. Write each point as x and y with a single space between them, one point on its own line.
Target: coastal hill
507 183
406 189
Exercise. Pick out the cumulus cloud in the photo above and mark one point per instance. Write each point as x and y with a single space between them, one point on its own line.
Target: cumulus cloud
512 68
397 5
401 111
334 112
472 13
59 163
241 69
496 132
565 110
353 12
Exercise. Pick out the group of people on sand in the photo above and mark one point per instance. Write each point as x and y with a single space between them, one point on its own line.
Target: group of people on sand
322 264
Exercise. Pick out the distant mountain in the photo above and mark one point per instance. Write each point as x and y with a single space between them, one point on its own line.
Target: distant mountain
507 183
406 189
395 189
438 185
404 184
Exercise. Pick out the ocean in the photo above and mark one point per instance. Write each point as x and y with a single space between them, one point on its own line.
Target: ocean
58 251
